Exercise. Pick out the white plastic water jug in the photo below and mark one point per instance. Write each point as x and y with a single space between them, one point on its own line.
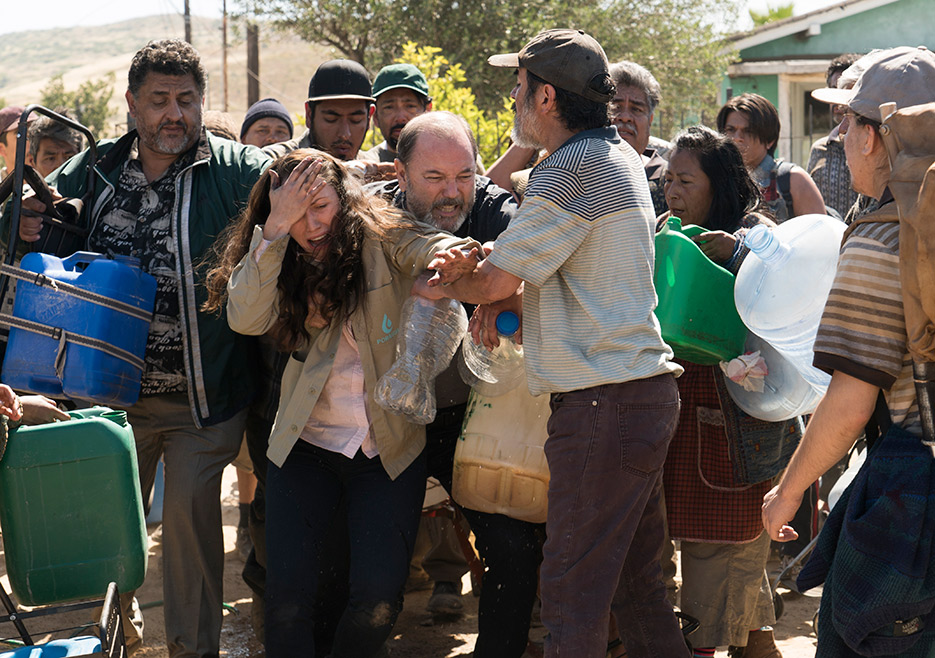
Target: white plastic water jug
500 464
785 392
783 284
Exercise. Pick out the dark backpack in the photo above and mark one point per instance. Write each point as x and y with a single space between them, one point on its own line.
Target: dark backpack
783 175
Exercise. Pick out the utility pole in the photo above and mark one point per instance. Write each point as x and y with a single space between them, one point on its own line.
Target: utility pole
224 50
188 22
253 63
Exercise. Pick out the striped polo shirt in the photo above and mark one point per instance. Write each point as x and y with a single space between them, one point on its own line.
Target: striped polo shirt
583 243
863 330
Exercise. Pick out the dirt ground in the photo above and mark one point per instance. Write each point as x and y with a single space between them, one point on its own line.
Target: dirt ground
415 635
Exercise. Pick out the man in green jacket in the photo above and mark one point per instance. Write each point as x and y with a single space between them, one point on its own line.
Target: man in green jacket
162 194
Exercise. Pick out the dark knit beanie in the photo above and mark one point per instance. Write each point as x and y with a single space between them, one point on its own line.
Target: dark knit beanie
268 107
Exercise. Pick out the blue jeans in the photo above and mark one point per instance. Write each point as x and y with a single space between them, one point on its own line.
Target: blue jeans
382 516
606 524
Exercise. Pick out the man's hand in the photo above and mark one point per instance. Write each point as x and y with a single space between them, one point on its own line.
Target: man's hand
38 410
379 171
29 224
10 405
370 172
778 511
834 427
483 324
422 288
451 264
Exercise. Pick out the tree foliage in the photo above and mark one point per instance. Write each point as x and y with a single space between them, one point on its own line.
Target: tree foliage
372 32
449 91
87 104
772 14
678 40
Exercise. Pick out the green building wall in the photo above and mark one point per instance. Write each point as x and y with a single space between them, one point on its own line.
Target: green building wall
764 85
903 23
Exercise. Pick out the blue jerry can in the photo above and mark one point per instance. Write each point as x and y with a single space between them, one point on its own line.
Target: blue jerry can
116 312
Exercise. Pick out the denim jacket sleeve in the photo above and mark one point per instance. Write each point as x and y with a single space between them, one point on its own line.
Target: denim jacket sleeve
252 295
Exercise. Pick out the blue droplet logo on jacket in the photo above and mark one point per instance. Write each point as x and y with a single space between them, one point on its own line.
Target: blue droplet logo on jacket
388 330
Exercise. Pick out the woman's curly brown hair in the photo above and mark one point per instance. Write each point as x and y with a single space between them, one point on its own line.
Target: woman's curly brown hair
337 280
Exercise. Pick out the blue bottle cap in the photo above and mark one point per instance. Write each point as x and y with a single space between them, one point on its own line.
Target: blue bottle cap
507 323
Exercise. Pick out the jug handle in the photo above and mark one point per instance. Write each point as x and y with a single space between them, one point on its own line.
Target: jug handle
79 258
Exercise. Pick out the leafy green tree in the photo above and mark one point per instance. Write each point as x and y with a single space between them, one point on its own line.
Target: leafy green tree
772 14
680 41
87 104
677 42
373 31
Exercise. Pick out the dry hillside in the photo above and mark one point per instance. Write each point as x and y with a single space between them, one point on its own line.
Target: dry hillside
87 53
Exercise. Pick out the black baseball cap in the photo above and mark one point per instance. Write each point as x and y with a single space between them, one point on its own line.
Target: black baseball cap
340 79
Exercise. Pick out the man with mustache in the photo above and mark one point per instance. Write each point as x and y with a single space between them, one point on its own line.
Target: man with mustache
435 165
164 191
581 247
337 112
438 185
401 93
631 113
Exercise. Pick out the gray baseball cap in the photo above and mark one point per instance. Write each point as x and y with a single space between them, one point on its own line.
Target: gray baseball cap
904 75
569 59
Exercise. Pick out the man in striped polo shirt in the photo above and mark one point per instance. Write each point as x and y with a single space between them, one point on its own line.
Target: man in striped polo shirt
583 244
862 340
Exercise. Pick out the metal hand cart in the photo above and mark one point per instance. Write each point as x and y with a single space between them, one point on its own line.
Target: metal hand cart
107 641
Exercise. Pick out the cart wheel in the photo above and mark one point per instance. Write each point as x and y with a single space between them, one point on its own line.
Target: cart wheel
778 605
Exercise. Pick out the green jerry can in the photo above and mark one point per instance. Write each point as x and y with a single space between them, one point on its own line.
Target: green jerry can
71 509
696 308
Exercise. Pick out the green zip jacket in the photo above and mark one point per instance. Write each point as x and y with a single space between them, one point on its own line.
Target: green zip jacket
209 194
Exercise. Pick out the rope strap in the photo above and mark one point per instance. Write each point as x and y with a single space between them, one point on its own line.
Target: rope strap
63 337
40 279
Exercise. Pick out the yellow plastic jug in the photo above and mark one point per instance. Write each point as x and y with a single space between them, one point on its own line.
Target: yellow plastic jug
500 464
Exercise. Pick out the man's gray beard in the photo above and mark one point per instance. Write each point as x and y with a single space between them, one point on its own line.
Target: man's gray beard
155 141
521 135
429 219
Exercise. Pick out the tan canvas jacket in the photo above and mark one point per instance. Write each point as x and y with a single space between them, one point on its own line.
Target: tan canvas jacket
391 265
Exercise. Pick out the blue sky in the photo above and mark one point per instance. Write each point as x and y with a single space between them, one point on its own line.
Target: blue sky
19 15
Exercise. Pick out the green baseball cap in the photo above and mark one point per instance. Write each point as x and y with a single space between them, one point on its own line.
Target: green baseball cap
400 76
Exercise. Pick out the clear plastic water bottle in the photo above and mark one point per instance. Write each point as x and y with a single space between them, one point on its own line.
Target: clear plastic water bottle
429 337
495 372
782 286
